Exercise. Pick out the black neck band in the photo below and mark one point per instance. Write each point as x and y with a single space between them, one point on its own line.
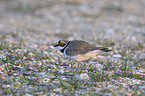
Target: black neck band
64 47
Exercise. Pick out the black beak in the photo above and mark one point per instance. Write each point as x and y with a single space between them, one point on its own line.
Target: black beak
56 45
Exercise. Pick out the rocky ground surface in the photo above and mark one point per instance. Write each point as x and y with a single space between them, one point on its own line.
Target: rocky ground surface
30 66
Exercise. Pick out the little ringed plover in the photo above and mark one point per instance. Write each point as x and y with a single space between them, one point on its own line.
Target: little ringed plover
79 50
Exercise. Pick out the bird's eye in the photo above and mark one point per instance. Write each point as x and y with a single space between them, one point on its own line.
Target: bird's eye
61 43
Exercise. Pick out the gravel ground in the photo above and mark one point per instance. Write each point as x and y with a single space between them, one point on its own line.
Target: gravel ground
30 66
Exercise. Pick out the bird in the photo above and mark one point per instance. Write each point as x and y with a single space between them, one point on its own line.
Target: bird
79 50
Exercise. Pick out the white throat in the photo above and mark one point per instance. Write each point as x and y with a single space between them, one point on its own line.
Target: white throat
60 48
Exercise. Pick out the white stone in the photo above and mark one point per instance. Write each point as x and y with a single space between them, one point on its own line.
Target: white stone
116 56
61 70
84 76
99 67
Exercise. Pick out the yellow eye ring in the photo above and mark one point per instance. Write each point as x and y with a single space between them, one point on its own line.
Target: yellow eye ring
61 43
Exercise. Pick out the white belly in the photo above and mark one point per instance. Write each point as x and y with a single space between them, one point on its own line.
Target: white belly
83 57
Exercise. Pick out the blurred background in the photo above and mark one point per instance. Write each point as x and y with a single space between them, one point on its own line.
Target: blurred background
30 67
47 21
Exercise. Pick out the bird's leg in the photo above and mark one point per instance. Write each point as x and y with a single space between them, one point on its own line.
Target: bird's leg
78 65
70 62
83 67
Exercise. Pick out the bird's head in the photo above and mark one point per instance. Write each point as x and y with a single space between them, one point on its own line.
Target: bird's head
61 44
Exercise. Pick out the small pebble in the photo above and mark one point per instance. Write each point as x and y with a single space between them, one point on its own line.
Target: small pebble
84 76
116 56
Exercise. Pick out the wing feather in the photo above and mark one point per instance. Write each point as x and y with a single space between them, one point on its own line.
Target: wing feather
76 47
